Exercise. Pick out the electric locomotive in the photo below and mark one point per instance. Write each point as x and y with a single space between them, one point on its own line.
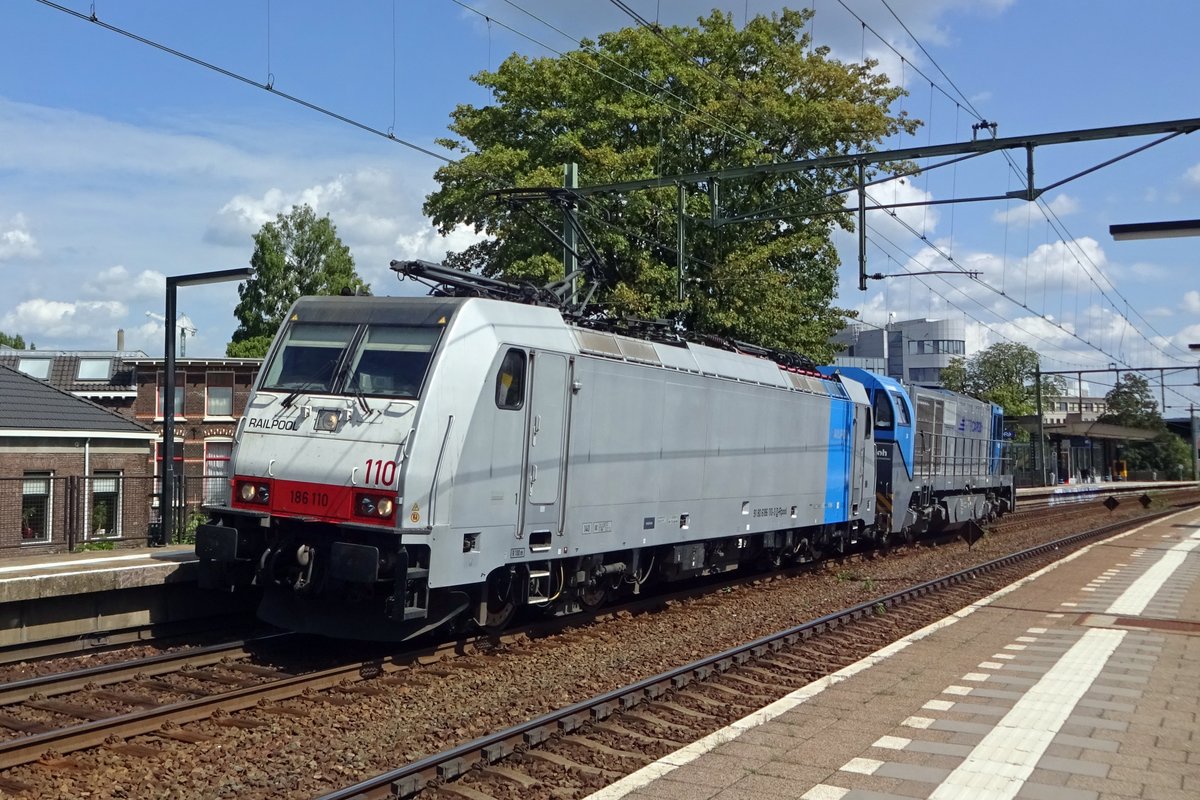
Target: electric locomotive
405 463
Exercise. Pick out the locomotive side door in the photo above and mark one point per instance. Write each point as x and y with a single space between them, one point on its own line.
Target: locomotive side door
545 427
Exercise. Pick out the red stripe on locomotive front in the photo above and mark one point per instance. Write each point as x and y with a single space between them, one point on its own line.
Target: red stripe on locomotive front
307 500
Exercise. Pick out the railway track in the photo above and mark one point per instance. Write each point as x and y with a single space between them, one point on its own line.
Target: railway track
110 706
586 745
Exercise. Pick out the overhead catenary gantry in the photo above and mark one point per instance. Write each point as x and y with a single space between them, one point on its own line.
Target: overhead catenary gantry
859 162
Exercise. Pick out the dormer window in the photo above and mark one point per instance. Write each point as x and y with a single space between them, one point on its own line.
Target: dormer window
94 369
35 367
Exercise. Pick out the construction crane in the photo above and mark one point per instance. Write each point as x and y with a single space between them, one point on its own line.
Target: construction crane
183 323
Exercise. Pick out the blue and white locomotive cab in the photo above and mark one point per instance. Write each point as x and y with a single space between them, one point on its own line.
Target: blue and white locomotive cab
939 459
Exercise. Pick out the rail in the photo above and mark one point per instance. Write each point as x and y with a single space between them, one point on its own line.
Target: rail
447 765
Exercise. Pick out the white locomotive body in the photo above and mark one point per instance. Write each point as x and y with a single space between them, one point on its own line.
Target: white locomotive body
409 462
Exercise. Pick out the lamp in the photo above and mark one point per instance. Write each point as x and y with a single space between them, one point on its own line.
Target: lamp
1155 230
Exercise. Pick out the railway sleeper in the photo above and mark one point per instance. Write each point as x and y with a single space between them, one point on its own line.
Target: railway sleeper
510 775
599 747
656 721
465 792
627 733
135 750
549 757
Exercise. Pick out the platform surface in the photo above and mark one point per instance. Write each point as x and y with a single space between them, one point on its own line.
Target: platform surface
57 574
1081 682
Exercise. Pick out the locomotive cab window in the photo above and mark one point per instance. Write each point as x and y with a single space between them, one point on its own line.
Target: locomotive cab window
510 380
308 356
903 418
883 410
392 361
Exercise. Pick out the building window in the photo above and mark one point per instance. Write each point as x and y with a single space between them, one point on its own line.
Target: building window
93 369
924 374
218 394
179 392
217 455
219 401
35 367
925 347
106 504
35 507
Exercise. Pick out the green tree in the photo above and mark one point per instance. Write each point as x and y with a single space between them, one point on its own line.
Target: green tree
1005 374
1131 403
297 254
15 342
640 103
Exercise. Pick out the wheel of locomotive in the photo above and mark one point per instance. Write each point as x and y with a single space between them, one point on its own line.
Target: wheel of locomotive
594 596
502 599
910 536
883 541
883 533
814 551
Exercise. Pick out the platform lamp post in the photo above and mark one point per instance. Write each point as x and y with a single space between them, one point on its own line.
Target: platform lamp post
1192 420
167 492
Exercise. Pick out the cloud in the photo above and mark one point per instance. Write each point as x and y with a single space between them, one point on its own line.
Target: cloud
426 243
1193 175
1018 213
351 200
1191 302
116 281
1149 272
40 318
17 241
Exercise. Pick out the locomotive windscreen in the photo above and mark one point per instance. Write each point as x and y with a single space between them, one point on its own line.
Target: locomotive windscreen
308 357
379 360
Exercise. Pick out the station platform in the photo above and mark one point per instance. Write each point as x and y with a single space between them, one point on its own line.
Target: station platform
1081 682
31 577
89 597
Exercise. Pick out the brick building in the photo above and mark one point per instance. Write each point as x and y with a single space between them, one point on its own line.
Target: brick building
210 398
70 470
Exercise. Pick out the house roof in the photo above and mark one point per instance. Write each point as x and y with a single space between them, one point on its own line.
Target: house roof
106 373
32 407
180 363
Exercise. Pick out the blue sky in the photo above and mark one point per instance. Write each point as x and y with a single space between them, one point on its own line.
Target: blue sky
120 164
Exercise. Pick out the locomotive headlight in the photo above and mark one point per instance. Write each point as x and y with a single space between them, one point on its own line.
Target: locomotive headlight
328 419
375 506
256 493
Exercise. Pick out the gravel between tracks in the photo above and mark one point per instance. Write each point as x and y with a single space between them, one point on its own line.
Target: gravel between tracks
336 745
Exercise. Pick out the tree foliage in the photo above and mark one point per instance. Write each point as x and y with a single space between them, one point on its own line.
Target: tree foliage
1005 374
640 103
1131 403
297 254
16 342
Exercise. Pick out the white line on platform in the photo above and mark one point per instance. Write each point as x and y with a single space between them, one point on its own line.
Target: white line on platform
80 562
1133 601
685 755
998 766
